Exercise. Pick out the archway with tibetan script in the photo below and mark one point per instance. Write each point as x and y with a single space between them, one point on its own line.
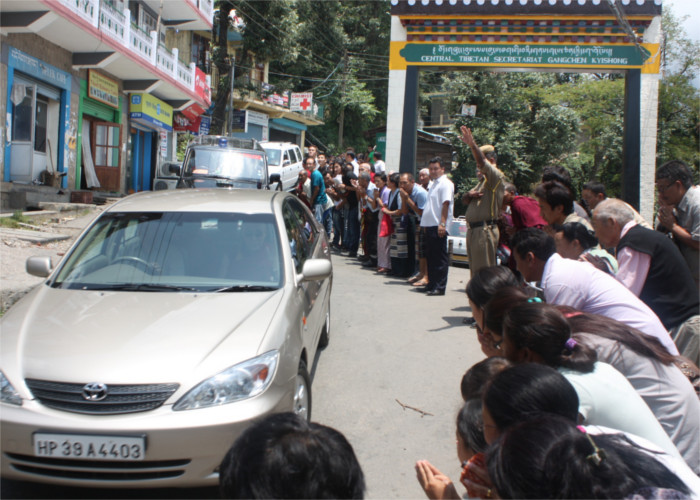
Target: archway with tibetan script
531 35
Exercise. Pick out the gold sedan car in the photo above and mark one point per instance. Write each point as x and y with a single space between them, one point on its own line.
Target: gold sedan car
175 320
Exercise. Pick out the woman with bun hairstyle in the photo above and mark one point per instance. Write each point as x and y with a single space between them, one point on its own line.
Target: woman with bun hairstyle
651 370
550 457
530 391
644 362
539 333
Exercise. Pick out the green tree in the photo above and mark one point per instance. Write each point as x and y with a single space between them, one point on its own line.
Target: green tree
340 53
679 100
514 114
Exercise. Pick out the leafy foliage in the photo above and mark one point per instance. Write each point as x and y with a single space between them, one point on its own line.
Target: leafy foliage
679 99
514 113
338 50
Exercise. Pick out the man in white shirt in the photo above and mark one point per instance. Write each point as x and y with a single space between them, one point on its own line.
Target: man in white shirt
379 165
351 159
437 215
582 286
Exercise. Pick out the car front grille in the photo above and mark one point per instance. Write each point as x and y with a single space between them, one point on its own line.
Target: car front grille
120 398
95 470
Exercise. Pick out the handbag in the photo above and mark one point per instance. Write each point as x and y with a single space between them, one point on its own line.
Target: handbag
386 228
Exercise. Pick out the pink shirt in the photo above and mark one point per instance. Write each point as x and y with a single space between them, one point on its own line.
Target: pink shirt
583 287
633 265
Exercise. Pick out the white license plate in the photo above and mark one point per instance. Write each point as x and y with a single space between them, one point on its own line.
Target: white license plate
87 447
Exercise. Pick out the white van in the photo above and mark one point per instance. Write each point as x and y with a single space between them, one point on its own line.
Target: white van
284 161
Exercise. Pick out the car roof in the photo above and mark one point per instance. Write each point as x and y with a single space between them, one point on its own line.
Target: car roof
278 144
201 200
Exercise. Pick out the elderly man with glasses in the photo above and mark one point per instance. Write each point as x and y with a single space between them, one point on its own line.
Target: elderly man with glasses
679 211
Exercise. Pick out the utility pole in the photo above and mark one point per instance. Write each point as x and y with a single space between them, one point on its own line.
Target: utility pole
230 97
341 119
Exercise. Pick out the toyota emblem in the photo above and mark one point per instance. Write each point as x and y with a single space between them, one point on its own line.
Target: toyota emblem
95 391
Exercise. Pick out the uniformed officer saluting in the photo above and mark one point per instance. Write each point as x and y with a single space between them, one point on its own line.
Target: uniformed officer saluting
484 204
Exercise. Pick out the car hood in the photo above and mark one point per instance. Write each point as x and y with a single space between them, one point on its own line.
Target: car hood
131 337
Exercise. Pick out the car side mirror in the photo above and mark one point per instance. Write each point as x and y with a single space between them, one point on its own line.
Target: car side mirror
174 168
316 270
286 163
39 266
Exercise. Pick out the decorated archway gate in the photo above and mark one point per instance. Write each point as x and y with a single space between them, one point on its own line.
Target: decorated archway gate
536 35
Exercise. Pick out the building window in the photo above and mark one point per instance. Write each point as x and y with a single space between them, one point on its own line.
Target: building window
201 55
106 144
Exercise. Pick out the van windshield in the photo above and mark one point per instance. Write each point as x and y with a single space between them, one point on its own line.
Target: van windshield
221 163
274 156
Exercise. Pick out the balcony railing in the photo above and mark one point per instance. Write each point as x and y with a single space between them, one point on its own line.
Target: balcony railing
118 26
141 42
87 9
185 73
165 59
112 22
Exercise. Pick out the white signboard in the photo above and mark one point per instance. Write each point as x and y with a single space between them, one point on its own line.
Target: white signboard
163 144
301 101
468 110
255 118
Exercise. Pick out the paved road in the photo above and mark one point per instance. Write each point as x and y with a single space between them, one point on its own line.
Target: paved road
388 343
392 343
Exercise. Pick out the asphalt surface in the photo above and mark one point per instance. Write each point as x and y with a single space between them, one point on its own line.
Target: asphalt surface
389 380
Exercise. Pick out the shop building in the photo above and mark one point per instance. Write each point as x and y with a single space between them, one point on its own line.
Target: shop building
90 88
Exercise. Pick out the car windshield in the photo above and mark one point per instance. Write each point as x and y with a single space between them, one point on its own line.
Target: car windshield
457 228
219 163
176 251
274 156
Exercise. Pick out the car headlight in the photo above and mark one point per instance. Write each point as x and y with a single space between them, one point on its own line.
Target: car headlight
241 381
9 394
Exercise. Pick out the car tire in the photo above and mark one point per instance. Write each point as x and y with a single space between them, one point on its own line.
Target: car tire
302 393
325 333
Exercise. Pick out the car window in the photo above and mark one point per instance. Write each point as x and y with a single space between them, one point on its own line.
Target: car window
227 163
297 153
193 250
286 157
457 228
298 243
273 156
309 227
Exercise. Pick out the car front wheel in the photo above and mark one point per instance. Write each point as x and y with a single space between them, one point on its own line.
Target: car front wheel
302 393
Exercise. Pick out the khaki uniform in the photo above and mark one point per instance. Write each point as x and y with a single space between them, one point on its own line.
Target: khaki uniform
482 216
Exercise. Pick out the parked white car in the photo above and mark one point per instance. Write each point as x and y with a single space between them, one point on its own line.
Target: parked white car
457 241
284 161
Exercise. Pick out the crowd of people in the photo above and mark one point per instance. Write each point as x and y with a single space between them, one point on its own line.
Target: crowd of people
590 386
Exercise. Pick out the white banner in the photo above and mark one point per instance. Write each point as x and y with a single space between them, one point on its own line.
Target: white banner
301 101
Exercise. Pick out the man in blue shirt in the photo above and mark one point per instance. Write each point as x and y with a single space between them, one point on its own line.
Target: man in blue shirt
319 200
413 200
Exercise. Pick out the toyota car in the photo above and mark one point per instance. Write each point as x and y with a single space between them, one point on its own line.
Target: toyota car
175 320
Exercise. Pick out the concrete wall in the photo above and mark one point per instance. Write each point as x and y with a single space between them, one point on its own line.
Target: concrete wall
397 91
649 127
